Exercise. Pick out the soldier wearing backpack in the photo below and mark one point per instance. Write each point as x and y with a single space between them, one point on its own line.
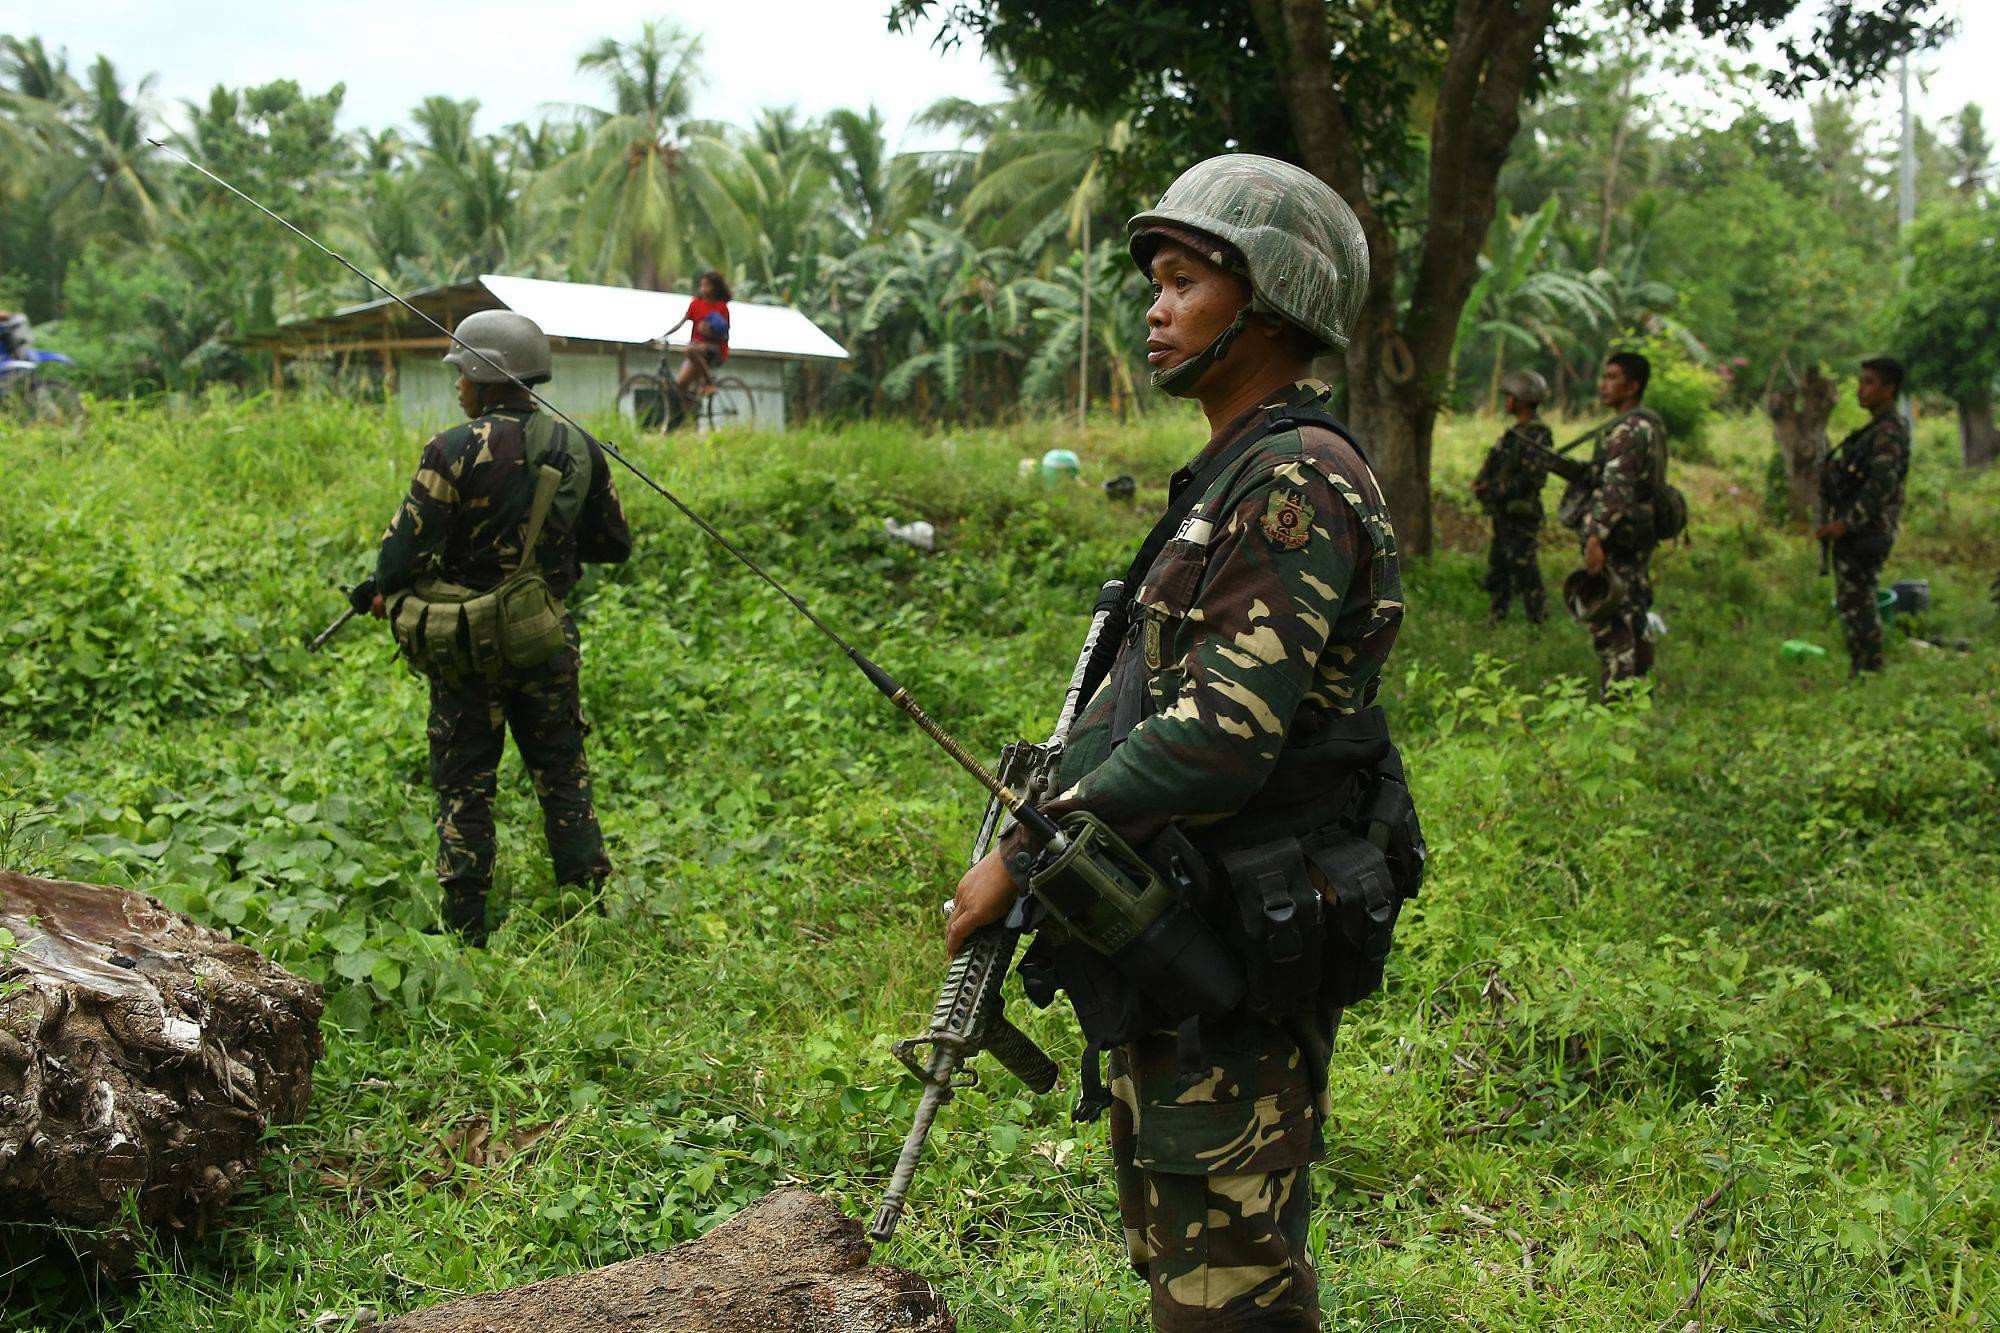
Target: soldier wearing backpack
1630 510
504 511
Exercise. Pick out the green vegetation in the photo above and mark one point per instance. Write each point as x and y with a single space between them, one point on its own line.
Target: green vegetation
1700 989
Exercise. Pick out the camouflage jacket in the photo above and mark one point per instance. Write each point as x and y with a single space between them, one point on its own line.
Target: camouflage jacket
467 512
1509 484
1861 481
1275 604
1631 458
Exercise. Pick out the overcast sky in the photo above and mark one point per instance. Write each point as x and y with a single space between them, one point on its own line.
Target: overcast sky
513 55
517 57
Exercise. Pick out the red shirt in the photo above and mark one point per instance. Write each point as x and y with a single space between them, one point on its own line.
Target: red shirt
700 309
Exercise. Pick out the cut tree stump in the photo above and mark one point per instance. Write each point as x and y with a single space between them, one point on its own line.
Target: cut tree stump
140 1054
789 1263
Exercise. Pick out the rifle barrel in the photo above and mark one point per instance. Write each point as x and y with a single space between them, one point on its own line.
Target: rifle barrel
319 640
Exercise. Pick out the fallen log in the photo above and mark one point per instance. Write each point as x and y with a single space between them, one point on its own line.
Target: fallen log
790 1262
142 1056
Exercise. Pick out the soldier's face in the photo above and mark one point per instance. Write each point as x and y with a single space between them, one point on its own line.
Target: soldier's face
1193 302
468 396
1613 387
1873 392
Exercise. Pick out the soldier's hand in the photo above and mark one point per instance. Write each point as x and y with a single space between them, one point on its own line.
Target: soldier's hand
1834 531
985 894
1593 556
379 608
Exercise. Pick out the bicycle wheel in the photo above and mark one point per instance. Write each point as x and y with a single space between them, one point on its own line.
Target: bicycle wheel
654 400
58 402
731 404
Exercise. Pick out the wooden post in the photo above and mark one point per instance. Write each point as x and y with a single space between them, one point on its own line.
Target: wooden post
277 372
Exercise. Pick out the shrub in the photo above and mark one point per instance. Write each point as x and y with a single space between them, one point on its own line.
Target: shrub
1684 392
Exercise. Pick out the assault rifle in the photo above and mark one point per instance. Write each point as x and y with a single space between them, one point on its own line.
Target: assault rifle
1558 461
967 1018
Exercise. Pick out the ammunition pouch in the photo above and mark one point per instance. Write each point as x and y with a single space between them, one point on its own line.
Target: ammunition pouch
1138 912
1274 912
462 634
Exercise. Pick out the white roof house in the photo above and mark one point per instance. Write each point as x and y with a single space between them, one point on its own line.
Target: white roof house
600 336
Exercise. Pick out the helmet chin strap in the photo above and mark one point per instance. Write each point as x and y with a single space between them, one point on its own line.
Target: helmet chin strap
1180 380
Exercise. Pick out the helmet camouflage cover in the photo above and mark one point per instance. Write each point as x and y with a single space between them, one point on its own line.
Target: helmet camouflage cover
1300 243
1526 385
499 346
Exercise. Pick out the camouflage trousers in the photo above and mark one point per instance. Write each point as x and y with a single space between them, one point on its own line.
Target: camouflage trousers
1618 632
1513 566
1857 564
1213 1170
468 730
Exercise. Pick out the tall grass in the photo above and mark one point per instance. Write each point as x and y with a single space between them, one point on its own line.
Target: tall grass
1701 995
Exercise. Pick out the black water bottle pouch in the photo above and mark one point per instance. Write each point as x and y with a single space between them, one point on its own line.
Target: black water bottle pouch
1279 915
1392 815
1363 903
1109 1008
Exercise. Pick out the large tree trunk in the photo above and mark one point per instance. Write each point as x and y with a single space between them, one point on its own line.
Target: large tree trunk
1978 437
1393 424
142 1057
1798 418
789 1263
1399 360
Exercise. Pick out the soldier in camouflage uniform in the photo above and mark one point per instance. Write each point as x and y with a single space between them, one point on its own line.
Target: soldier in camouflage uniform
1617 526
464 521
1509 489
1268 618
1861 496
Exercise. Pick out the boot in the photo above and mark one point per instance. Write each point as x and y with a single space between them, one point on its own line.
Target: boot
465 913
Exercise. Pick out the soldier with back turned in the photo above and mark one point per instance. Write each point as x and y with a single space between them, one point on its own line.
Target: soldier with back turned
471 522
1509 489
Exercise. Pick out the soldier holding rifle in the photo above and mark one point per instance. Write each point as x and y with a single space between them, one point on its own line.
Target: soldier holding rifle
1232 731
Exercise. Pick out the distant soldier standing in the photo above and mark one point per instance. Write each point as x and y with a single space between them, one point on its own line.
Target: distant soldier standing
1617 525
1238 720
1509 489
466 529
1861 496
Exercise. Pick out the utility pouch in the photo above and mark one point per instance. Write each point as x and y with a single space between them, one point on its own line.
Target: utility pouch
1362 903
461 634
1279 917
1101 892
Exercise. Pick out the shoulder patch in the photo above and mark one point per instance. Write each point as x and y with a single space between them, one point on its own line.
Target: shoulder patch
1288 520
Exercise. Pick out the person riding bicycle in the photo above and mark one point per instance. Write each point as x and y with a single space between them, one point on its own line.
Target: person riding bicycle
708 336
15 335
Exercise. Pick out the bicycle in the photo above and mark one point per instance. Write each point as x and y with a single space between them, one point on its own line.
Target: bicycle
660 403
27 394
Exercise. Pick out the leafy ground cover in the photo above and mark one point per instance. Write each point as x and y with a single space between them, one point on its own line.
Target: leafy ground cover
1703 996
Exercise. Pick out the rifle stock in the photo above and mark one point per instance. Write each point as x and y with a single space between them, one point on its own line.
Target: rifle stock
968 1017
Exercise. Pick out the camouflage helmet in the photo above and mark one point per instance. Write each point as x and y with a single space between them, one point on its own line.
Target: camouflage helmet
1526 385
1589 596
1299 242
499 346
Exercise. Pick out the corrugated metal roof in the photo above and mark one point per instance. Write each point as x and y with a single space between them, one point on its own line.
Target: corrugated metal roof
622 315
628 315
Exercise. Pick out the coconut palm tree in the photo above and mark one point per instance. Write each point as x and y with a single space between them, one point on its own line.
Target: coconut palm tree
643 178
105 180
1085 304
